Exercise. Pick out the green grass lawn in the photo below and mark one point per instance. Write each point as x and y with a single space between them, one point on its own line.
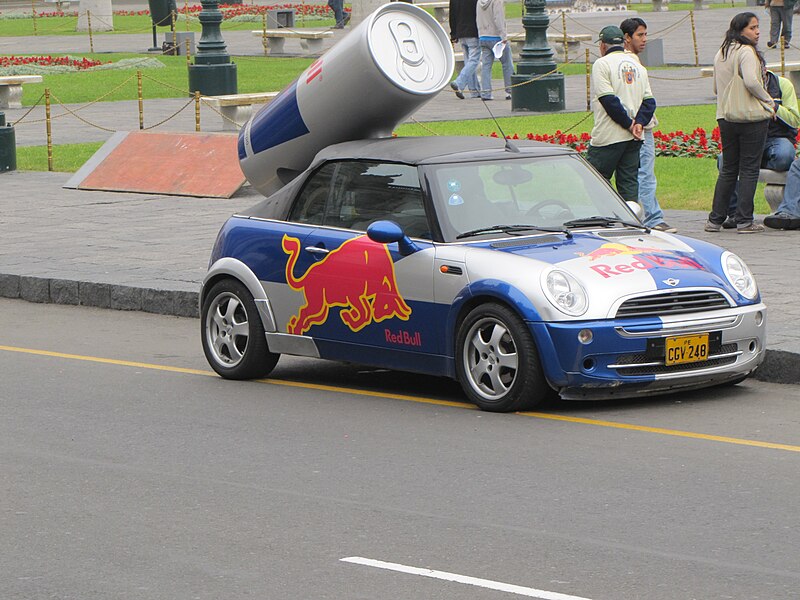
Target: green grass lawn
255 74
67 158
134 24
683 183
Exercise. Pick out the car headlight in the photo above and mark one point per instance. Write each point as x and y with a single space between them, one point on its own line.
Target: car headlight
565 293
739 275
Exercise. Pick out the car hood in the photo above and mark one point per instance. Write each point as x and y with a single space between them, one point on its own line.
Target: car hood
612 266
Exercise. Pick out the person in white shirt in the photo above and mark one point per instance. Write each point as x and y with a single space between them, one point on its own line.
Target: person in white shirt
635 32
623 104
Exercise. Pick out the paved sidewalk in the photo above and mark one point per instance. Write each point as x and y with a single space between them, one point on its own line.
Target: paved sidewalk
149 252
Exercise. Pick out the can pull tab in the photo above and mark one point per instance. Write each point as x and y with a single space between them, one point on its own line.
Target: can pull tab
410 52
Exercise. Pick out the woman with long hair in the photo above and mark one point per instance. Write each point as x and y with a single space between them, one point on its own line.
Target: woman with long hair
743 132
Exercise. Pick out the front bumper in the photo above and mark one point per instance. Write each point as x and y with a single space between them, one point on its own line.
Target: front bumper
622 359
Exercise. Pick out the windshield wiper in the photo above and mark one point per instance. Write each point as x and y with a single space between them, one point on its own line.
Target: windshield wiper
512 229
603 222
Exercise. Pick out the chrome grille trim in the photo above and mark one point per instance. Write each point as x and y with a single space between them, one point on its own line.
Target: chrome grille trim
674 302
634 364
682 327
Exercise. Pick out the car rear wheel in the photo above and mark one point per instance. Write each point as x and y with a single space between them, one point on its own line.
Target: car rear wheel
233 335
497 363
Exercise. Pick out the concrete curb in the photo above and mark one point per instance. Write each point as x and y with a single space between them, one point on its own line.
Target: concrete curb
779 366
100 295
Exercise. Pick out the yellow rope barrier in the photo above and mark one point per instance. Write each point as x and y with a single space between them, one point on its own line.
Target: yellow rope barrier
30 110
89 25
49 129
175 114
141 99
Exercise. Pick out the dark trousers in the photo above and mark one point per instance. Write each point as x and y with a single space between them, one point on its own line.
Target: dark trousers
743 145
622 160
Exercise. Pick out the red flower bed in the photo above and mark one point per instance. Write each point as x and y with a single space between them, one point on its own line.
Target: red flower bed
49 61
676 143
234 10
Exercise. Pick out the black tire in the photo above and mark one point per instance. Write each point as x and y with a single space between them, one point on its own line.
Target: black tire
233 335
497 363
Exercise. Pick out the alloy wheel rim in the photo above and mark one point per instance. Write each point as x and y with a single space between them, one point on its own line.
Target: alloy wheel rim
227 329
490 358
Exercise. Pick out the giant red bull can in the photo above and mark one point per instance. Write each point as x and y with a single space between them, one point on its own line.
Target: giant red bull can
369 82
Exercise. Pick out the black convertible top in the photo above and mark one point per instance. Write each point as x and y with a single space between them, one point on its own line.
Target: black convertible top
422 150
408 150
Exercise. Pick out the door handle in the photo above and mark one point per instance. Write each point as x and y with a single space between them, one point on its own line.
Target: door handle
316 250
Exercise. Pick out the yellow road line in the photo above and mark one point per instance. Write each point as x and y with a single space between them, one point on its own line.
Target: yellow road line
662 431
418 399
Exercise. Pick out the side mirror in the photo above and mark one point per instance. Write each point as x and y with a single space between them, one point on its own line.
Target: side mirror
386 232
636 208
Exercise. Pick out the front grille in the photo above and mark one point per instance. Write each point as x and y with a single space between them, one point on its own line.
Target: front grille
628 364
672 303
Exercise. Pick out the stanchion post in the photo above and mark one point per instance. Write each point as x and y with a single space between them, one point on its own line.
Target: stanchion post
197 110
33 9
694 39
174 33
188 52
141 100
564 31
89 27
186 14
588 82
783 56
264 31
49 127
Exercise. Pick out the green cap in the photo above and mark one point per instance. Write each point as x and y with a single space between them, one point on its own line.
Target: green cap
611 34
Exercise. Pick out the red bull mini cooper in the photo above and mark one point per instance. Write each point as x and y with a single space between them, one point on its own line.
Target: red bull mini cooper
516 270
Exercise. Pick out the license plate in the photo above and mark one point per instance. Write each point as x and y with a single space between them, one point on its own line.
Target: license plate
686 349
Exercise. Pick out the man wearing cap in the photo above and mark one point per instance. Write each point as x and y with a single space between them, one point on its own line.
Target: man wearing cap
634 31
623 104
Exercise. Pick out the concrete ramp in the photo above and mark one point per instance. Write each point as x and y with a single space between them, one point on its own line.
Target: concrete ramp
182 164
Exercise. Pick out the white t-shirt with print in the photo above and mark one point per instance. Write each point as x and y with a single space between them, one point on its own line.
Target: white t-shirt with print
622 75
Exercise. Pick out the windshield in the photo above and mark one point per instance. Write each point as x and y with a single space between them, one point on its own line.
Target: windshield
544 192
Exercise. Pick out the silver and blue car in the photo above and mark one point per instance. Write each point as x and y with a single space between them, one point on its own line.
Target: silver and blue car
513 268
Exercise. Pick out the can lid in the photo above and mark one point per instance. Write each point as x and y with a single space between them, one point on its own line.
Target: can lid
411 48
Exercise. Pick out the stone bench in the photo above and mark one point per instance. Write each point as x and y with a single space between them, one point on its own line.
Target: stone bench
11 89
441 10
792 70
311 40
775 184
236 109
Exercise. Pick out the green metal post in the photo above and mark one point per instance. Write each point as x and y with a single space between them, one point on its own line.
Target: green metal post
544 93
213 73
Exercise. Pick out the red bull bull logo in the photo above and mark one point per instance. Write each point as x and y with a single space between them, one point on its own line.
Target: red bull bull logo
646 258
357 277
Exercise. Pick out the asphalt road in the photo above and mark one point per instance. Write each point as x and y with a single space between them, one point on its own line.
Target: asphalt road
129 471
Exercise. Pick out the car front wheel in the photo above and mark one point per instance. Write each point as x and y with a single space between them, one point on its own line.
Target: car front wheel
497 363
233 336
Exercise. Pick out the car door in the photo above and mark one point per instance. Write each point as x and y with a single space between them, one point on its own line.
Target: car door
359 299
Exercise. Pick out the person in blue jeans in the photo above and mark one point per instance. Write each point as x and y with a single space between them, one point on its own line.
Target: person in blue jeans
464 29
337 6
779 149
635 31
788 214
491 18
